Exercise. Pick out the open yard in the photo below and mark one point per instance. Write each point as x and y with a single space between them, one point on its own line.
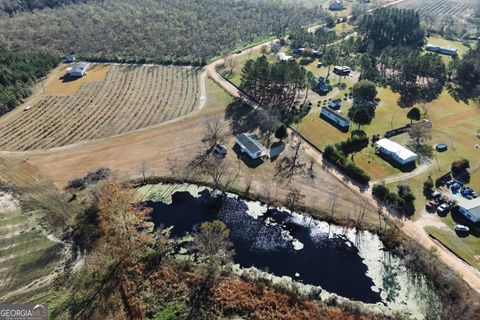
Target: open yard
110 100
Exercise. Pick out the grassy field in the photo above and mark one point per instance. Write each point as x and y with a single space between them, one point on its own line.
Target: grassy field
466 248
29 260
110 100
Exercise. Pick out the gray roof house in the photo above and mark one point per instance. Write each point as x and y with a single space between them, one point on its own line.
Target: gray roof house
250 145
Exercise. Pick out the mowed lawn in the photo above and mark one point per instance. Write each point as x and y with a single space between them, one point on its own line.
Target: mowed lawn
466 247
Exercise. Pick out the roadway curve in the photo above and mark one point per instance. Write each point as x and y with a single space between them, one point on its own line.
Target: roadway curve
414 231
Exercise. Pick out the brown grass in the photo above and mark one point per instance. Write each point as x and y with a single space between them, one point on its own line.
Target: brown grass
61 85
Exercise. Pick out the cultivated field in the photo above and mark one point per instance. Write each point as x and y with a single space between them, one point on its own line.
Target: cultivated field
130 97
442 9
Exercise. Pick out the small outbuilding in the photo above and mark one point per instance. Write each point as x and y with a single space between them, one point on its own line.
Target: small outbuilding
335 104
395 151
336 5
470 209
79 69
342 70
281 56
250 145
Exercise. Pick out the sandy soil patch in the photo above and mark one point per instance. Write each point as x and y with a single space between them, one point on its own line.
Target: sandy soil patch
62 85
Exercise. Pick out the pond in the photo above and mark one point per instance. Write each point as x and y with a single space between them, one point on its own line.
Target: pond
341 261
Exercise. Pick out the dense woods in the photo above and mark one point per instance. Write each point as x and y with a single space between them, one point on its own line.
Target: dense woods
390 27
167 31
18 70
14 6
468 74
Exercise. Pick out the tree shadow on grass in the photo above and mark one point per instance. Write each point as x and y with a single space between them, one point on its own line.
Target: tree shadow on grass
249 162
242 117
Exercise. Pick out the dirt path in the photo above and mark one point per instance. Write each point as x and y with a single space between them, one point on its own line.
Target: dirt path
405 176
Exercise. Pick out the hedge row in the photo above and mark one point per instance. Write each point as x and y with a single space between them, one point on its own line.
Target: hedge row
346 166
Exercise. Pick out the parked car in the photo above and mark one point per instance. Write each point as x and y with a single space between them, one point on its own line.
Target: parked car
220 149
461 228
27 108
444 208
431 206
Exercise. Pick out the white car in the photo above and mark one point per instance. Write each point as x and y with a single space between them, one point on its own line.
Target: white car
461 228
443 208
27 108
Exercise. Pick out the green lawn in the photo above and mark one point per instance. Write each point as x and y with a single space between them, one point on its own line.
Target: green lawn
467 248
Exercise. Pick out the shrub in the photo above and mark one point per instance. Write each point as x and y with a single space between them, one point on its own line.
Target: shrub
349 168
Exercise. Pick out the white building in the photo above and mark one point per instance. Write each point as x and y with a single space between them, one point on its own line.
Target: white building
281 56
395 151
442 50
250 145
470 209
336 5
79 69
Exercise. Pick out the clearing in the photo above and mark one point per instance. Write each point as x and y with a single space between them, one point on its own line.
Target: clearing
110 100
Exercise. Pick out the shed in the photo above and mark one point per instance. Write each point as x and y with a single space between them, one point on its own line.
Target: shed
281 56
335 104
342 70
395 151
250 145
79 69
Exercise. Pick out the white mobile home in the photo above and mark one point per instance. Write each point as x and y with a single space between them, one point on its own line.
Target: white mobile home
395 151
442 50
79 69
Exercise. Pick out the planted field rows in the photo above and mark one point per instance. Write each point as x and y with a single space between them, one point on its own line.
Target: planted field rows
130 98
441 8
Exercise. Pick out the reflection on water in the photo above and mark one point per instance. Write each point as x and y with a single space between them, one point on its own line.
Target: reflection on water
343 261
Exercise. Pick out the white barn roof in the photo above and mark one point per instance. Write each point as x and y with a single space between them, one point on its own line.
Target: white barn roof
402 153
473 206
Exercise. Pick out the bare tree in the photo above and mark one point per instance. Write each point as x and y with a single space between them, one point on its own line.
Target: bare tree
144 170
294 198
291 165
222 176
214 131
420 133
231 62
269 121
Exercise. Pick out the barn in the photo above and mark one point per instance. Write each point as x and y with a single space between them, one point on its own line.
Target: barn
397 152
79 69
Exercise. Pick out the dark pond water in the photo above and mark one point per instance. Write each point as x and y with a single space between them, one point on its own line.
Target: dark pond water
330 262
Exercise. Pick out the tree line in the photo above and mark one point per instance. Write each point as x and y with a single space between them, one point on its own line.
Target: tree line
18 70
152 31
281 86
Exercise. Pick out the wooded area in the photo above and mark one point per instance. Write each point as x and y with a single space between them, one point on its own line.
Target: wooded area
167 31
13 6
17 72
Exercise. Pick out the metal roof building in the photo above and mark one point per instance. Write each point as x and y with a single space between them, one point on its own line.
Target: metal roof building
470 209
79 69
249 144
395 151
